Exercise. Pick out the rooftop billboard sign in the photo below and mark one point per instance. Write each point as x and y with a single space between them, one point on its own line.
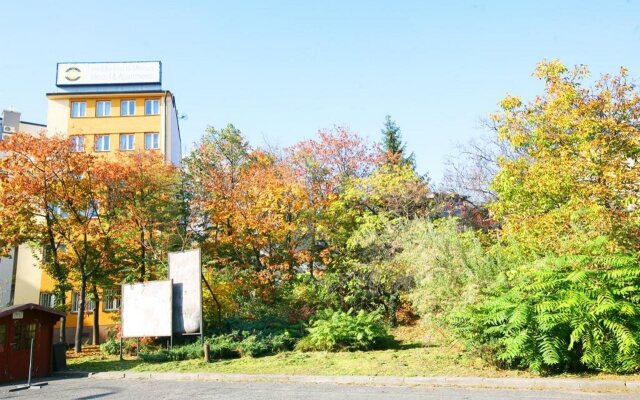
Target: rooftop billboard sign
109 73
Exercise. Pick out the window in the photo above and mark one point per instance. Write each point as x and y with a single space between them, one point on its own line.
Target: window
77 143
3 337
23 334
103 108
151 107
102 143
127 107
75 303
92 211
151 141
78 109
110 300
127 141
47 251
47 299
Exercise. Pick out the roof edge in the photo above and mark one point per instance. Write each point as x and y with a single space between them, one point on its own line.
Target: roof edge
4 311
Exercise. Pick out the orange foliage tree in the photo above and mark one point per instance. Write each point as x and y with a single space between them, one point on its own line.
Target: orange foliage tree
99 221
50 197
267 215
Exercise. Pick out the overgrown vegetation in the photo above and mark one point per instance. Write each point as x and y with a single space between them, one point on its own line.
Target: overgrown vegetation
328 243
567 201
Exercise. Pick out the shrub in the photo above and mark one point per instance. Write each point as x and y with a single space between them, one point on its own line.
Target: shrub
129 346
110 346
259 345
223 347
564 313
450 266
340 331
159 356
177 353
251 344
271 325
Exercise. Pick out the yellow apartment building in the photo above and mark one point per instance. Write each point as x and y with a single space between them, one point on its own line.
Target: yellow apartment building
107 108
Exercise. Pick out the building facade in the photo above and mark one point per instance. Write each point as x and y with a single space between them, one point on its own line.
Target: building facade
19 272
105 109
115 107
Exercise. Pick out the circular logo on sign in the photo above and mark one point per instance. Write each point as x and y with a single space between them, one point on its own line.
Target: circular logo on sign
72 74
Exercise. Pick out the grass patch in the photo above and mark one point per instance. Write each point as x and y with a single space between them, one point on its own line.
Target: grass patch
418 353
420 361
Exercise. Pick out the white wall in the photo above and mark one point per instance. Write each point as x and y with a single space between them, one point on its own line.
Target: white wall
57 116
31 129
6 278
174 143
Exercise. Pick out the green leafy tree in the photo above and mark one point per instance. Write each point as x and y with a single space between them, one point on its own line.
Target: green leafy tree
567 203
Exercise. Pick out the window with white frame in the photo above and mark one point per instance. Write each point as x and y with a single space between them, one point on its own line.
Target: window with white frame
127 141
78 109
152 107
110 300
102 143
75 303
77 143
127 107
103 108
47 299
92 210
151 141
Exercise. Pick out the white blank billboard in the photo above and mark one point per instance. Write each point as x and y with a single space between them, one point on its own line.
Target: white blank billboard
185 271
147 309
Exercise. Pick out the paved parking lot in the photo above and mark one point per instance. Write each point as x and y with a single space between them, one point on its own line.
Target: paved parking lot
90 388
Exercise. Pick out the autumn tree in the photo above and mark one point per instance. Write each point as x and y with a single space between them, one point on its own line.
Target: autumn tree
577 173
211 175
144 190
51 198
325 167
245 205
29 184
568 208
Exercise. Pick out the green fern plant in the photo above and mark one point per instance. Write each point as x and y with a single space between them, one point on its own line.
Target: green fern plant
564 313
340 331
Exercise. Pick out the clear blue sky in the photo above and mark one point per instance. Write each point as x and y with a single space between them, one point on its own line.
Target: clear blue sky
281 70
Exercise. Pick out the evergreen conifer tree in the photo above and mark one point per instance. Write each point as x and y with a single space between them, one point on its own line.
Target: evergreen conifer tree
392 144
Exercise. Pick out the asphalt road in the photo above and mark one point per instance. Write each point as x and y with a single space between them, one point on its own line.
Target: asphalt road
88 388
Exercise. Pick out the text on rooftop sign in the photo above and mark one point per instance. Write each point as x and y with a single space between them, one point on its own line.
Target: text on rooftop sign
118 73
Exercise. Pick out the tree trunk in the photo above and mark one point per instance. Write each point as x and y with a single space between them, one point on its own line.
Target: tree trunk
60 302
215 299
96 317
393 307
79 325
143 256
63 329
312 251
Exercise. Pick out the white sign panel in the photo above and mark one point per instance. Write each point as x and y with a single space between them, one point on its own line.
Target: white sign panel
185 271
146 309
117 73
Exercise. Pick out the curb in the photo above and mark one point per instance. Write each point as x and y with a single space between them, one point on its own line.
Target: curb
558 384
